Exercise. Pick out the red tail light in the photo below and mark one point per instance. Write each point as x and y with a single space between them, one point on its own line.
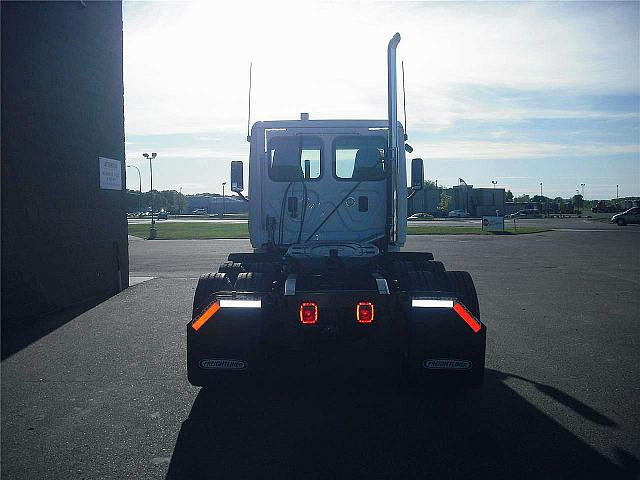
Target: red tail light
467 317
308 312
364 312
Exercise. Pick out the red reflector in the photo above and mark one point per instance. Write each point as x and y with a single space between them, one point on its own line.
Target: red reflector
308 312
206 315
467 317
364 312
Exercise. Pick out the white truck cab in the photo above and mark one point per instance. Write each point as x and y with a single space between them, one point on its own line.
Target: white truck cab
321 182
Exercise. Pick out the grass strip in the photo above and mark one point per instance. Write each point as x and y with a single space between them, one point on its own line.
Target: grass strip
192 230
209 230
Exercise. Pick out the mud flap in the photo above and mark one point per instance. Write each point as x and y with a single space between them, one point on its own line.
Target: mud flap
227 346
442 346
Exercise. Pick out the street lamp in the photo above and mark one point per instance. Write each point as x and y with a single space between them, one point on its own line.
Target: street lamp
582 185
140 191
494 191
152 230
223 184
617 192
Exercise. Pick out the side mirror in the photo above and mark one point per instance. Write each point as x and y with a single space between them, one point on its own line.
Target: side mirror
237 176
417 174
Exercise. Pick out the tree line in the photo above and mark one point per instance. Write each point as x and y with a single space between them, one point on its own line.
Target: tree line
171 201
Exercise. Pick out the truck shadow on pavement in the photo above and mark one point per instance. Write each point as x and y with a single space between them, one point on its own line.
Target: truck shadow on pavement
361 427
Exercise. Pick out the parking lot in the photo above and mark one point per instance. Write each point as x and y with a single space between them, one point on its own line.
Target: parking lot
101 392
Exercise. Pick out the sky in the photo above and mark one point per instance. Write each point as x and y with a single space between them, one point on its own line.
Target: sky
518 93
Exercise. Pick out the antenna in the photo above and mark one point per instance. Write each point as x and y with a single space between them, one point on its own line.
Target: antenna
404 103
249 116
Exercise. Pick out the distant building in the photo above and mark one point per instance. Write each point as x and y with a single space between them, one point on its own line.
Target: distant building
213 204
476 201
426 200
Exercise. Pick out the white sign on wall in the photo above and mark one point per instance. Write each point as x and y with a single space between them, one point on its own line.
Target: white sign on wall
110 174
493 224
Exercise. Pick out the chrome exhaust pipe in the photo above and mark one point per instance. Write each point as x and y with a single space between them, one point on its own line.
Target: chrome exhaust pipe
394 154
392 92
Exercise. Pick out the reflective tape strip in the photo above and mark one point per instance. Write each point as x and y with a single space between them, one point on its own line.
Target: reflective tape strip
467 317
206 315
241 303
424 303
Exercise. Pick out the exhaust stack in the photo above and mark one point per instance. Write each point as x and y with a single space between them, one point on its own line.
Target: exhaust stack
392 92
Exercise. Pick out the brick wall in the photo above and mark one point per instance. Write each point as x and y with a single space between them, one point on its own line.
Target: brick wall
62 108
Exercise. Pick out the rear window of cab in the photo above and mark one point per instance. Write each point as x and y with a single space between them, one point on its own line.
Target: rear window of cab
293 159
298 158
359 158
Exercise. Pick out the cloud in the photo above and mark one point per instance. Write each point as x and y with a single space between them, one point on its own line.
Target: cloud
187 153
485 150
182 75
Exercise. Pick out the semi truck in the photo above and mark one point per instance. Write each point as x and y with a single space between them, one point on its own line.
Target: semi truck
328 276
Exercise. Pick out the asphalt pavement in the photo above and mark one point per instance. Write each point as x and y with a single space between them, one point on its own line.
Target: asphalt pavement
101 391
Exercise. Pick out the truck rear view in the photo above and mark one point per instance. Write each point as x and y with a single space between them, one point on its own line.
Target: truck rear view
327 276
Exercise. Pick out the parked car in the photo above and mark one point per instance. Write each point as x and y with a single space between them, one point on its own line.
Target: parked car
163 215
604 207
421 216
527 213
199 211
629 216
458 214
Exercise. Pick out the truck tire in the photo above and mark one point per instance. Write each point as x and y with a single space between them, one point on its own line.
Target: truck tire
436 268
232 269
253 282
399 268
260 267
418 280
462 284
438 272
208 284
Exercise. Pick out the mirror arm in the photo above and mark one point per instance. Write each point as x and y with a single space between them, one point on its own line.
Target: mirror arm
242 196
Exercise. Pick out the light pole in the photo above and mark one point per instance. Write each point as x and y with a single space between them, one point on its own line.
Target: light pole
494 191
223 184
582 185
541 193
617 192
577 195
152 230
140 191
